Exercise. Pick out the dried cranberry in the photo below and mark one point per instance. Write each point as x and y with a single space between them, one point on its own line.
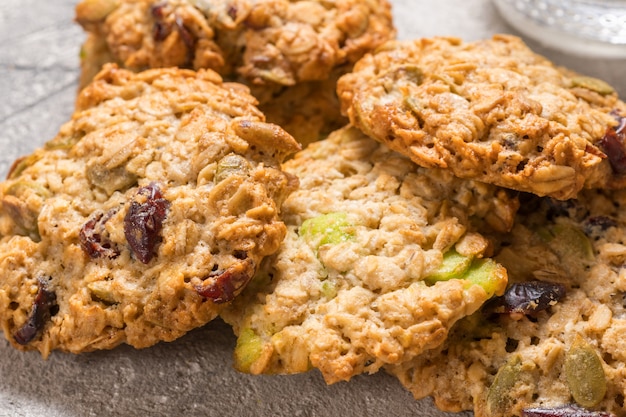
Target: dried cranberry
186 36
596 224
564 411
144 220
232 11
222 285
160 29
527 297
93 239
157 10
44 307
614 145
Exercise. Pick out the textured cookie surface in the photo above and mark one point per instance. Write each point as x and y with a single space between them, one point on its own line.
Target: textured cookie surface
269 44
380 259
276 41
150 209
492 111
556 339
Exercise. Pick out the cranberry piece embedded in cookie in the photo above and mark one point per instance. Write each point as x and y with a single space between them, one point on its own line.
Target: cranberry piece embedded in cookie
528 297
160 29
614 145
44 307
144 220
186 36
92 237
222 285
598 224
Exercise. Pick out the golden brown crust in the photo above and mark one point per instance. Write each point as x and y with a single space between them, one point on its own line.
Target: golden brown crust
489 110
546 357
148 211
352 286
267 41
289 52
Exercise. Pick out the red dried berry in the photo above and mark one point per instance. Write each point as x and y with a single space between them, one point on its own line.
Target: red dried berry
144 220
187 37
527 297
160 29
614 145
44 307
92 237
156 10
232 12
598 224
564 411
222 285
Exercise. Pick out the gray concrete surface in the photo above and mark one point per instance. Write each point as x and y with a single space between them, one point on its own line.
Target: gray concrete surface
39 46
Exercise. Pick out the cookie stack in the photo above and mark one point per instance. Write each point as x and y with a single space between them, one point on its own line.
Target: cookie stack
448 212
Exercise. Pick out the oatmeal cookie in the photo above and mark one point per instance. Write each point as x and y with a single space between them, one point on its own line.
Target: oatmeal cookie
274 46
490 110
381 257
265 41
148 212
554 343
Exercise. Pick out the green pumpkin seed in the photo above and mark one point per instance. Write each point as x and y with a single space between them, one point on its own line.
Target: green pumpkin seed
248 350
454 265
327 229
498 398
593 84
584 373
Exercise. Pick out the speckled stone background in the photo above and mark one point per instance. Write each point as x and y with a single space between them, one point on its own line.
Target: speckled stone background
39 46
